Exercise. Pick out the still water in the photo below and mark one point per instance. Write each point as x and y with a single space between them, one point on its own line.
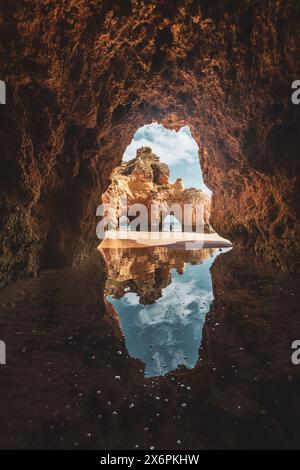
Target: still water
163 329
80 374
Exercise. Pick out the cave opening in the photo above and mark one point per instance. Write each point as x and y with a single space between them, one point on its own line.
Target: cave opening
158 285
158 187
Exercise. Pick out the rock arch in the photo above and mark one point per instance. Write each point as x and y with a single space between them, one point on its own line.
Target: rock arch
144 181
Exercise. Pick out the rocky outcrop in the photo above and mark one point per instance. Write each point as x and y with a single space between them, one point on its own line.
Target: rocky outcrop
145 180
83 76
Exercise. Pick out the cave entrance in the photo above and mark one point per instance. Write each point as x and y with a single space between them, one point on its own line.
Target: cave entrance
159 285
159 188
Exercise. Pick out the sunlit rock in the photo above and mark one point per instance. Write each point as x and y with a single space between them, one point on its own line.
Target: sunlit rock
145 180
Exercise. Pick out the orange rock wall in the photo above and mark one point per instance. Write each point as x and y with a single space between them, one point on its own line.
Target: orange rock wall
83 76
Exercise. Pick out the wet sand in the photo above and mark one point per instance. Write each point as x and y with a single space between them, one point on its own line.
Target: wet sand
69 382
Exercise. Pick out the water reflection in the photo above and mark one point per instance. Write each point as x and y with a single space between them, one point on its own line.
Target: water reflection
69 382
161 296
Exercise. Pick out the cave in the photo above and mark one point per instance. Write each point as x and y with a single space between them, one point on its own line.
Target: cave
149 346
87 75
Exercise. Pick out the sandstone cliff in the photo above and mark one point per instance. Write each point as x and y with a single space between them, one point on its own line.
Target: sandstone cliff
145 180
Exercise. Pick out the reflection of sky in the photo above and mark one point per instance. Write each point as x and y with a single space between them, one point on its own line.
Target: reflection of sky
178 149
168 333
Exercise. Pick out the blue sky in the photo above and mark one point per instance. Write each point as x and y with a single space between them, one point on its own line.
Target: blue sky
178 149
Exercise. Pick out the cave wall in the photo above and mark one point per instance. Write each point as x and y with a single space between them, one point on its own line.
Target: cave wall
83 76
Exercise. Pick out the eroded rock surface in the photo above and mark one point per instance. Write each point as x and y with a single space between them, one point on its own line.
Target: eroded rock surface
145 180
83 76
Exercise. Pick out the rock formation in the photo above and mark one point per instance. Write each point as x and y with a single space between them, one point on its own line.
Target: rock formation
145 180
83 76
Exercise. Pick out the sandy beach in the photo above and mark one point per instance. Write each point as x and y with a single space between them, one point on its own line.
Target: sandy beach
186 240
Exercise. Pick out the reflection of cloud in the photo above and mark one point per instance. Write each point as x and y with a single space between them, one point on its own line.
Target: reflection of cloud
170 308
131 298
167 333
176 305
172 147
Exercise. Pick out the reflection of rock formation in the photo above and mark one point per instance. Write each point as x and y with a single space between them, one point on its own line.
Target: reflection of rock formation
175 290
146 272
145 180
243 394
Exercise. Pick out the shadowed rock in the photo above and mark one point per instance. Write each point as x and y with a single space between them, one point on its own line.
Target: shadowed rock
83 76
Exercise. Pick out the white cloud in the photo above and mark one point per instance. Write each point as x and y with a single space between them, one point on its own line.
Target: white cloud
172 147
178 149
